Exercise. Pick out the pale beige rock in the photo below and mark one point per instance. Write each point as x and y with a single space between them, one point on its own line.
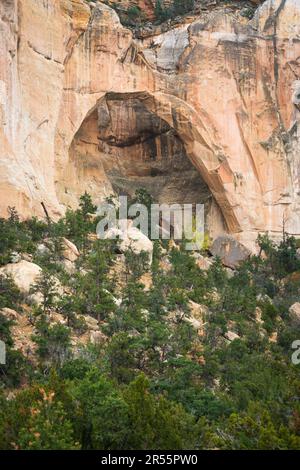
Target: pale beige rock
147 281
69 266
197 324
258 315
70 251
92 323
202 262
198 316
198 311
294 311
273 337
231 335
58 318
23 273
131 238
97 337
22 332
227 91
9 313
165 264
230 251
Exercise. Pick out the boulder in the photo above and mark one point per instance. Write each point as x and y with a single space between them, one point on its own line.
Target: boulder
147 281
97 337
196 324
58 318
70 251
23 273
202 262
69 267
258 315
273 337
91 322
165 264
294 312
231 336
27 257
199 313
231 251
10 314
130 238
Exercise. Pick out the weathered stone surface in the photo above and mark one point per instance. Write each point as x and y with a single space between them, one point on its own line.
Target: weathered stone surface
97 337
131 238
23 273
258 315
231 252
69 250
22 331
273 338
196 324
58 318
294 312
228 91
202 262
198 311
198 317
92 323
9 313
68 266
231 336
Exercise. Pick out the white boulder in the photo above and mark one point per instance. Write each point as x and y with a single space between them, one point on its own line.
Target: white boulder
130 238
23 273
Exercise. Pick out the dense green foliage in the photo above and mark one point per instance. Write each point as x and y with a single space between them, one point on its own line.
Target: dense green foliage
177 8
154 382
135 16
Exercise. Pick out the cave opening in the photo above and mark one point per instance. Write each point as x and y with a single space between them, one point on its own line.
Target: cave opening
122 146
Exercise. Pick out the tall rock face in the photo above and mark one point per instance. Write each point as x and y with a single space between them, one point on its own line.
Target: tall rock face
210 108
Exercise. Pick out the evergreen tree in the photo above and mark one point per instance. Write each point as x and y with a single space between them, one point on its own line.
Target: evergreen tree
48 427
45 287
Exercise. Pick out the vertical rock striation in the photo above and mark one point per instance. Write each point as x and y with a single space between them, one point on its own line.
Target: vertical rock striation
84 105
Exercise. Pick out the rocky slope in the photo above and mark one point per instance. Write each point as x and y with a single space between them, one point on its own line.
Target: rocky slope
226 88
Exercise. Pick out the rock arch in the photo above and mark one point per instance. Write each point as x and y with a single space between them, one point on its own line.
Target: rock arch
87 168
221 85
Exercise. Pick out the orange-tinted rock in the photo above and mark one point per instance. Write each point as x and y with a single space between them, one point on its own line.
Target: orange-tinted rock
227 88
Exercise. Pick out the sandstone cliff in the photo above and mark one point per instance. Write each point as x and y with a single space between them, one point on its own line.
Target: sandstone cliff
85 106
